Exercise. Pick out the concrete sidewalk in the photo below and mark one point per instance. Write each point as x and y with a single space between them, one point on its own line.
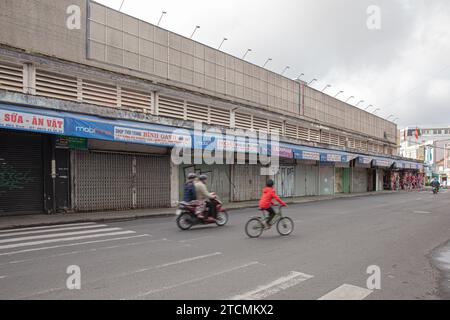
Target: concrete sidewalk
10 222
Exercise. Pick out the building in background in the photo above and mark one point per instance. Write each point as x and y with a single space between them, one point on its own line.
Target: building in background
428 144
88 113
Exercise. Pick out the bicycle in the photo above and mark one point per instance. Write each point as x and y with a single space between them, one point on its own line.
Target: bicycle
255 227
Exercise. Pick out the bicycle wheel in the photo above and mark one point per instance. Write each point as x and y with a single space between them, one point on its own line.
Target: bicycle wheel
254 228
285 226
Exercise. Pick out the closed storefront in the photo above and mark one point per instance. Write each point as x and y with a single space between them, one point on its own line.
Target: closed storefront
21 173
342 178
285 182
360 179
247 182
119 181
306 179
326 179
219 178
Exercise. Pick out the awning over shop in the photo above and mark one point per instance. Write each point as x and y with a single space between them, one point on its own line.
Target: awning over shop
95 127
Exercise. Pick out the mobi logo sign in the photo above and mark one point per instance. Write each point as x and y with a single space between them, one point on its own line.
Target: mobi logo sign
73 19
213 146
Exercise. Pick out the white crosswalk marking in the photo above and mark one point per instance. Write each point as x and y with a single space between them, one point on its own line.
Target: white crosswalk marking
48 227
347 292
35 237
274 287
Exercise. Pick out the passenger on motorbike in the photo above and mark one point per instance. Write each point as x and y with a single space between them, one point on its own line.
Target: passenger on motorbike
435 184
189 189
205 197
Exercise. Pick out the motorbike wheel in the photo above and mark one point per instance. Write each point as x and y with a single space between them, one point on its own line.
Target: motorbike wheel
222 218
184 221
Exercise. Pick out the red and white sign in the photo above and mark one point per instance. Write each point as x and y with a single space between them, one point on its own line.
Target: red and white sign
29 121
151 137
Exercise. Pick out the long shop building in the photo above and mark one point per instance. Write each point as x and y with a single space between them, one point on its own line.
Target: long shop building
63 162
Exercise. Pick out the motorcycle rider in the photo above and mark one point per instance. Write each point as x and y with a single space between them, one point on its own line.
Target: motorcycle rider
189 189
266 202
435 184
205 196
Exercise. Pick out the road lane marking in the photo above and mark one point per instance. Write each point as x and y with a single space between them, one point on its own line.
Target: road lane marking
212 275
56 235
274 287
121 275
2 277
424 212
88 250
194 239
347 292
73 244
34 243
47 227
51 230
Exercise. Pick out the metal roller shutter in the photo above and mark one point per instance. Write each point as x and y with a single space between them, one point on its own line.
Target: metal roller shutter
153 182
247 182
113 181
21 173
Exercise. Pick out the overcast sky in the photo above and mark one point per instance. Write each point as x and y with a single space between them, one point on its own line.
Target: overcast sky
402 68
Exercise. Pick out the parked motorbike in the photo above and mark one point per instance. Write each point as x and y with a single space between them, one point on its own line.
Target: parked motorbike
435 190
187 217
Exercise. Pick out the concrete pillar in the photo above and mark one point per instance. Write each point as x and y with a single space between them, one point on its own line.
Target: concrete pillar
174 184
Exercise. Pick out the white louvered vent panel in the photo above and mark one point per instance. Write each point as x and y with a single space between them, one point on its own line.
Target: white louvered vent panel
342 141
196 112
303 133
171 108
351 143
291 131
364 146
334 139
358 144
314 135
325 137
136 101
277 126
260 124
243 121
219 117
11 77
99 94
56 86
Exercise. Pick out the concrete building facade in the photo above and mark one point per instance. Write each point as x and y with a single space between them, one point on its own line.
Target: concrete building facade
91 100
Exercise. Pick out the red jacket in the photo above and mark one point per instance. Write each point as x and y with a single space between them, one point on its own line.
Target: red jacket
266 200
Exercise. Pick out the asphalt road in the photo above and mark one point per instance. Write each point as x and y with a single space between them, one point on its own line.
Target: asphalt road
326 257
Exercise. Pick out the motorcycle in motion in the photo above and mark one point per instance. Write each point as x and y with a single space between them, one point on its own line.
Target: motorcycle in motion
435 190
187 217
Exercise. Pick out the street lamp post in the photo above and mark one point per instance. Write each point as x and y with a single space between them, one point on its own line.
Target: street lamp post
350 98
375 111
162 15
359 103
285 69
196 28
391 116
326 87
298 78
311 81
369 106
224 39
338 93
248 50
265 63
120 9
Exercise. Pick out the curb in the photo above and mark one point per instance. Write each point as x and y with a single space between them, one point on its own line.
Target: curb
170 212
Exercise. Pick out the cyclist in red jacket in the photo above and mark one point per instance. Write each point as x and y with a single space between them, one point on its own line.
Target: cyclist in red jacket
266 202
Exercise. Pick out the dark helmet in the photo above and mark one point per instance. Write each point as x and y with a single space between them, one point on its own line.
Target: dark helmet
203 177
192 176
270 183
